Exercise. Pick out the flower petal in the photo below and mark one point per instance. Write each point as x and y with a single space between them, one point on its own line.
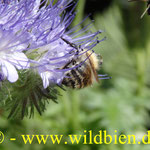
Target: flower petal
20 60
9 71
36 6
45 80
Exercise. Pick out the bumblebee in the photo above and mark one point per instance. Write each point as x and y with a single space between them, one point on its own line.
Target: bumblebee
84 71
147 9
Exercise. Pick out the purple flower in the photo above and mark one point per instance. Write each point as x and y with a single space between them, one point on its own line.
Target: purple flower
10 55
59 53
34 36
63 48
34 28
14 37
24 27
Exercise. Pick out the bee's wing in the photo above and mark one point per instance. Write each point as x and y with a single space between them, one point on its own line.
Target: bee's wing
95 74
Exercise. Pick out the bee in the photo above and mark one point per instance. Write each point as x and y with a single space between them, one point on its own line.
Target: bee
147 9
84 71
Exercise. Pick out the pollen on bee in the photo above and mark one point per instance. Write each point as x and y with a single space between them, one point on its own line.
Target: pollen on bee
94 59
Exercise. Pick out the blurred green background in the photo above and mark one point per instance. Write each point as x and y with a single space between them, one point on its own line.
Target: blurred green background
122 103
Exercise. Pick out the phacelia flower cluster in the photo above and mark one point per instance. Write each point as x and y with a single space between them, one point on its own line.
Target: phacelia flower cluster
39 29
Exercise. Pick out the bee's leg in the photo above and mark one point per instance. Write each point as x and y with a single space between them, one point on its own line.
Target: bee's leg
73 45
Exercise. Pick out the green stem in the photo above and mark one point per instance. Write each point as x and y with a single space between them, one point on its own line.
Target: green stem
66 105
141 67
74 97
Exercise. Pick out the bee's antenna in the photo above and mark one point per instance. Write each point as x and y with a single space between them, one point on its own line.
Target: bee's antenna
71 44
145 11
